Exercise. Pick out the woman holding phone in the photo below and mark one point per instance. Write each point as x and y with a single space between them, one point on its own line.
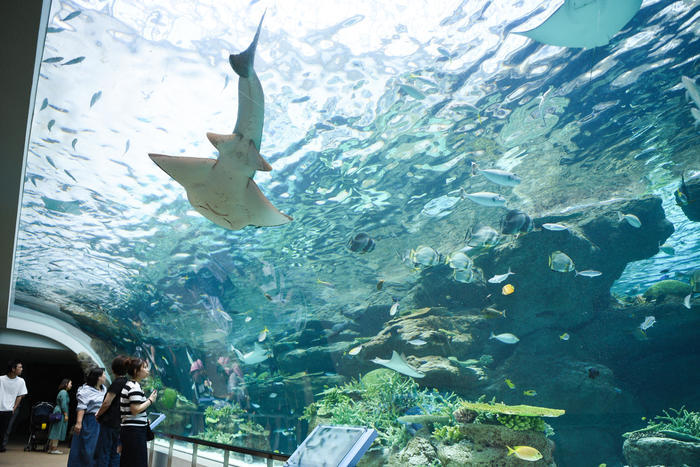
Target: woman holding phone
133 406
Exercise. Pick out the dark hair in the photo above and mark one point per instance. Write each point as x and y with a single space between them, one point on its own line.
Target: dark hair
119 365
64 384
133 365
12 364
93 375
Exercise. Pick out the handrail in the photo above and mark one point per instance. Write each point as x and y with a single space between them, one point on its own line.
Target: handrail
225 447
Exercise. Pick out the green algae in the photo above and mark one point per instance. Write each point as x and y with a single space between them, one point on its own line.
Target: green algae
523 410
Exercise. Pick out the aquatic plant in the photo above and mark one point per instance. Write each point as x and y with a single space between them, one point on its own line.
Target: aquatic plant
448 434
379 399
522 423
226 423
682 425
524 410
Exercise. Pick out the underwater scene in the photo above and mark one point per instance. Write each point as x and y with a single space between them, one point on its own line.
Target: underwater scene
472 225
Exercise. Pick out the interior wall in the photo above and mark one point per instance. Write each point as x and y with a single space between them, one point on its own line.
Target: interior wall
43 371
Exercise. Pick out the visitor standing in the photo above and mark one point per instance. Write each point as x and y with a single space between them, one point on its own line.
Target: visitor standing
133 405
109 416
12 390
58 430
87 430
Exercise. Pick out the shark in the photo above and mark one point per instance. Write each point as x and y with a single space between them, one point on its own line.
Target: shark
584 23
257 355
222 189
399 364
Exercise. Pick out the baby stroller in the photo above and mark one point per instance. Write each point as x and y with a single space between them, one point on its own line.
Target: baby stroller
39 426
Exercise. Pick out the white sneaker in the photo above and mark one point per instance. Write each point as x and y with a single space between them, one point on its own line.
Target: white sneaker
55 451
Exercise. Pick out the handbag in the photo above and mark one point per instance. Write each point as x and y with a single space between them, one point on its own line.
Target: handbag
56 416
149 433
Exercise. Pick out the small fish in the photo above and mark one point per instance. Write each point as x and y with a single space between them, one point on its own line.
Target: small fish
509 383
394 308
525 453
53 60
459 260
51 124
668 249
74 61
254 405
273 395
530 392
486 198
76 13
248 319
417 342
648 322
482 236
515 222
44 104
555 227
380 284
361 243
74 142
491 312
268 296
497 176
355 350
95 97
327 284
507 289
411 91
465 276
565 336
630 218
498 278
126 148
506 338
589 273
686 300
263 334
424 256
560 262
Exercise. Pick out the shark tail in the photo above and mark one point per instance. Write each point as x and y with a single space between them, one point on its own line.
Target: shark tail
242 63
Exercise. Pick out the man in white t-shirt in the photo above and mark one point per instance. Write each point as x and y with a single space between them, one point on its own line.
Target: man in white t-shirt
12 390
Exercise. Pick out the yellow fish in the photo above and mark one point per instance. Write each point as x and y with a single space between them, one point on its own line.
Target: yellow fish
510 384
507 289
565 336
530 392
327 284
525 453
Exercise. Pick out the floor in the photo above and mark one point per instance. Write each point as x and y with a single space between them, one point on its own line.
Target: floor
16 456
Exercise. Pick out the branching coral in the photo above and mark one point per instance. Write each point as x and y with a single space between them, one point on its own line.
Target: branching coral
682 425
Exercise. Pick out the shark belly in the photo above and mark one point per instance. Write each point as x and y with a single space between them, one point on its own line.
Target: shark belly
251 109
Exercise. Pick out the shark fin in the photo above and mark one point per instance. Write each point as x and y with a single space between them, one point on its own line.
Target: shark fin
218 140
187 171
242 63
260 211
253 158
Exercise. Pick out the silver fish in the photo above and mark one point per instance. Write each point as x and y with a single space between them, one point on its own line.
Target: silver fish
589 273
486 198
394 308
498 278
417 342
500 177
506 338
630 218
648 322
554 227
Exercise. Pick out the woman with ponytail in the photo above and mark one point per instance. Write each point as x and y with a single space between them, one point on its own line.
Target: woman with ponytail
133 406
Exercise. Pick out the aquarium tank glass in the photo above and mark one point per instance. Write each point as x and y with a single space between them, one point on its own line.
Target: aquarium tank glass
432 218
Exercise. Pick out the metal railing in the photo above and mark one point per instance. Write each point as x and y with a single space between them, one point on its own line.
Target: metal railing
227 448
